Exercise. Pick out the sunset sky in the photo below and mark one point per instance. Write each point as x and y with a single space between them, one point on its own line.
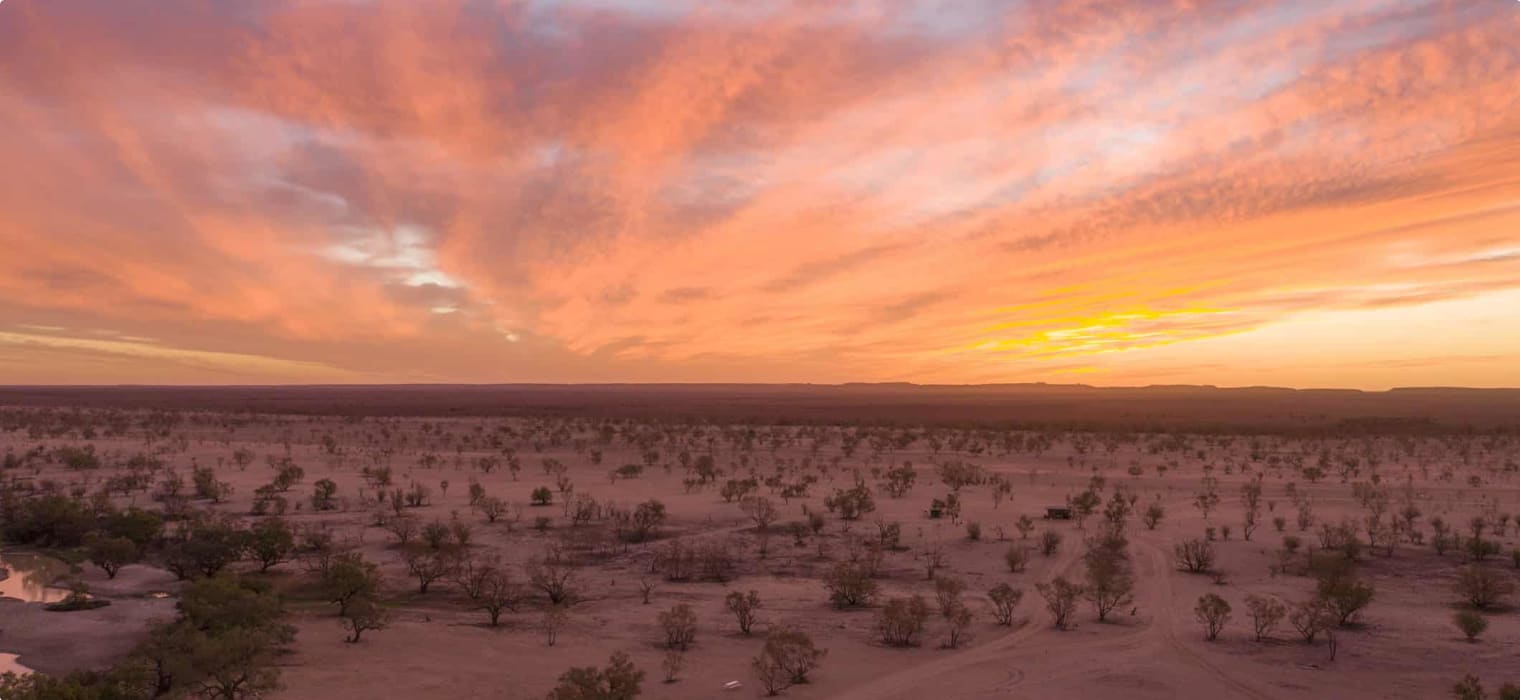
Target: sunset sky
1321 193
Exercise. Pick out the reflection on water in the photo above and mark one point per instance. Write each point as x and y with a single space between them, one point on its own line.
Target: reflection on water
8 664
29 576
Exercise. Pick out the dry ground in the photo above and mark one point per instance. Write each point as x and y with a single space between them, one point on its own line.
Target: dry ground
1405 646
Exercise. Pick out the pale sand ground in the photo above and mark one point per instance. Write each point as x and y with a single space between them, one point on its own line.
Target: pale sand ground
1405 648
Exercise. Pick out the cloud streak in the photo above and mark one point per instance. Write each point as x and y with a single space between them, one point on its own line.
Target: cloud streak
863 190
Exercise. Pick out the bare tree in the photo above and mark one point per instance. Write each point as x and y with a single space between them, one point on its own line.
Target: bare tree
553 576
1060 599
680 626
1266 613
1213 612
745 608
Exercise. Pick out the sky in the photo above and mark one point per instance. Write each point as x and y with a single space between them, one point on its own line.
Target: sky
1306 194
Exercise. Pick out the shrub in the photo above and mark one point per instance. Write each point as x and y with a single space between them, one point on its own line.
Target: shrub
788 656
207 487
1482 587
680 626
1060 599
1479 549
542 496
491 507
672 664
1469 689
947 593
140 526
403 527
850 585
1195 556
852 503
1213 612
1004 599
78 599
959 620
552 576
737 489
349 578
1024 525
745 608
619 681
1266 613
1016 557
364 614
323 495
270 542
901 620
428 565
1343 591
759 509
52 520
899 480
436 534
646 520
488 585
889 535
1153 515
1471 623
205 546
1311 617
1110 582
1050 542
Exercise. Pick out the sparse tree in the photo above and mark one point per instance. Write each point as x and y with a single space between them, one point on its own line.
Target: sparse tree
554 577
553 620
1050 542
1195 556
1005 599
787 658
1213 612
364 614
745 607
1311 617
271 541
1016 557
619 681
488 585
673 662
958 620
1482 587
850 585
428 565
1110 582
110 553
349 578
901 620
1266 613
761 510
680 626
1060 599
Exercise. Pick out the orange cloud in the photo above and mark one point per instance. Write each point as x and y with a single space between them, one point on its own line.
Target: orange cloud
873 190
